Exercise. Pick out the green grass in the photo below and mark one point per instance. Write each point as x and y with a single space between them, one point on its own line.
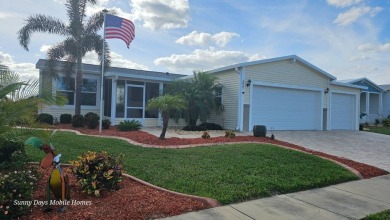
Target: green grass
228 173
380 130
385 215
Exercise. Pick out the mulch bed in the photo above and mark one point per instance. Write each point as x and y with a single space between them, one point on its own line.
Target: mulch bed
367 171
132 201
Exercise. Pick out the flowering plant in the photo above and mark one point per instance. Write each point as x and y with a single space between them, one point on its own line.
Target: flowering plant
17 186
96 171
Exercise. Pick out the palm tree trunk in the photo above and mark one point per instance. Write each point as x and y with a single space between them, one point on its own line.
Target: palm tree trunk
79 84
165 125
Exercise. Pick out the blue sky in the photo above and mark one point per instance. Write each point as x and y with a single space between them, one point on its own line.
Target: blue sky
347 38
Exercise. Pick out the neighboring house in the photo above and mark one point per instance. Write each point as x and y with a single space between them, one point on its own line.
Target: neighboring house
386 100
371 100
126 92
285 93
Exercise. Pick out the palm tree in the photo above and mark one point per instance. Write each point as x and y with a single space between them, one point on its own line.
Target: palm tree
166 104
80 37
199 94
18 104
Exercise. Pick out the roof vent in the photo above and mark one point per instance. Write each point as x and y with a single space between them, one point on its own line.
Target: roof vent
167 73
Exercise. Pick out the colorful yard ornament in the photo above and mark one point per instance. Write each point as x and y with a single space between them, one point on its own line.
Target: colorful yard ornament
58 182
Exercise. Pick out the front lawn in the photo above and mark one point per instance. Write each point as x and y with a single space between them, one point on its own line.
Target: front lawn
385 215
228 173
380 130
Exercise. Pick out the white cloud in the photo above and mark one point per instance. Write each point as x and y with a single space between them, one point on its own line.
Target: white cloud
354 14
161 14
343 3
27 71
374 47
359 57
203 39
204 60
117 60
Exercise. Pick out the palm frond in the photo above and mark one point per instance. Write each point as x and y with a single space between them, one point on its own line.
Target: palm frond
40 23
94 24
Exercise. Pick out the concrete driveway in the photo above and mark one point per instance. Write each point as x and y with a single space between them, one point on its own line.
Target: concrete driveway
365 147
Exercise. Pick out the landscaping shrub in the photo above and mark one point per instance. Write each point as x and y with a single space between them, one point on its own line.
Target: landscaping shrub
377 121
386 122
205 135
91 120
65 118
106 123
45 118
78 121
230 134
127 125
17 186
194 128
8 151
211 126
98 171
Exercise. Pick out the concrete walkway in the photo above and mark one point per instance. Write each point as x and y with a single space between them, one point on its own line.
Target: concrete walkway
352 200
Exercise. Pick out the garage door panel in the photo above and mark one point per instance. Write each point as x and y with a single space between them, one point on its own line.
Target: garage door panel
286 109
343 111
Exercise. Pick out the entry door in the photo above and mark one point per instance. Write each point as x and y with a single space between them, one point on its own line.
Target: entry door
135 103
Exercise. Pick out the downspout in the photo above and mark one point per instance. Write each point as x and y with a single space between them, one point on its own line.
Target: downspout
241 92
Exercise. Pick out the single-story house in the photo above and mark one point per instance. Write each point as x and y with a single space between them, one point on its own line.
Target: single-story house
371 100
284 93
126 92
386 100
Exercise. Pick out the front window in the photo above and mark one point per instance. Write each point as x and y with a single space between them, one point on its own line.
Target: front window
66 87
152 91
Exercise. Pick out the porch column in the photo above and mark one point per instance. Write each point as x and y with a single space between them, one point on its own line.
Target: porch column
368 106
113 100
380 106
161 91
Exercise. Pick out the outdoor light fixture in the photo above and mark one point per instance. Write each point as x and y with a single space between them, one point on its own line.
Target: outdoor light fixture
326 90
248 83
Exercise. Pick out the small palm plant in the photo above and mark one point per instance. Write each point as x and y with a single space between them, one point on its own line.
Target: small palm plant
166 104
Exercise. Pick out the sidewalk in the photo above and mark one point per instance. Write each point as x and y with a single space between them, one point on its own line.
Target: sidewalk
352 200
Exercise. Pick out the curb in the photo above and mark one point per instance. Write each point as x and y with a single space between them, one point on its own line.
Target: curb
212 202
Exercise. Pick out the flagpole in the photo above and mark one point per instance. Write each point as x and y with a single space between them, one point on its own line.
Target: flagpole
102 79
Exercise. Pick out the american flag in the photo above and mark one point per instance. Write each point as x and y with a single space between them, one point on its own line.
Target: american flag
117 27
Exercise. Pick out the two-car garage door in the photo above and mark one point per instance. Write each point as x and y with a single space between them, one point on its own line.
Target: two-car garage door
286 108
281 108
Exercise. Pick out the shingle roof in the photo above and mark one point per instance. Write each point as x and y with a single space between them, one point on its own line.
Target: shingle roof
385 87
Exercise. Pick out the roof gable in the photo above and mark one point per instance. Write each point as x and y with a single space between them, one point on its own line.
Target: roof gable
293 58
371 86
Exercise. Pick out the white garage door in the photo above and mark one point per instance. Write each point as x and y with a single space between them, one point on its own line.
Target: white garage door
286 109
343 112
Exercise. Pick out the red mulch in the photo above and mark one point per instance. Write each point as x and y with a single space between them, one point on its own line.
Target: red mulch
132 201
367 171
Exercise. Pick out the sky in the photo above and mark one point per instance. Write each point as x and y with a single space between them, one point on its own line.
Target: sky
349 39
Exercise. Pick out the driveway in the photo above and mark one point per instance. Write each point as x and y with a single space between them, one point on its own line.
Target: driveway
365 147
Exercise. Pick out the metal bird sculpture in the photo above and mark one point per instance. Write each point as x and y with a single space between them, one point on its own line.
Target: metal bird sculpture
58 182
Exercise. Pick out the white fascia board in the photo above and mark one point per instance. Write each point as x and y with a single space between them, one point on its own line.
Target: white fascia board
135 76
